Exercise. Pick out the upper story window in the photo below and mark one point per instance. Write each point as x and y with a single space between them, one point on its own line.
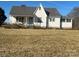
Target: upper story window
63 20
68 20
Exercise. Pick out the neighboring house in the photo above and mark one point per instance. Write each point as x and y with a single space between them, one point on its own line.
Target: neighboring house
35 16
74 14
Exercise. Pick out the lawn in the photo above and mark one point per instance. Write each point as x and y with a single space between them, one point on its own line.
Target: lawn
39 42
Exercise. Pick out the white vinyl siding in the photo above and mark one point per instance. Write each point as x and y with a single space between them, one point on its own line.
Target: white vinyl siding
40 13
55 23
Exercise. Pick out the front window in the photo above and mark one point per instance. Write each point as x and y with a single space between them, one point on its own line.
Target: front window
20 19
31 18
38 20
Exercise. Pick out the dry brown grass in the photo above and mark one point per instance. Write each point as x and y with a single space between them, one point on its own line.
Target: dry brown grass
39 42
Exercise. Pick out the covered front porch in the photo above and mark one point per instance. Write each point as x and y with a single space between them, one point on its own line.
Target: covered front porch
28 21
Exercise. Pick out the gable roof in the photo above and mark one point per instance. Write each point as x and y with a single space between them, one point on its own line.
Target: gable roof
74 13
21 10
53 11
25 10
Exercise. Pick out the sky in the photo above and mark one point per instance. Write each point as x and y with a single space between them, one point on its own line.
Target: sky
64 7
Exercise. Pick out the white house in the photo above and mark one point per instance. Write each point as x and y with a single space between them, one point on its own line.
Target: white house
35 16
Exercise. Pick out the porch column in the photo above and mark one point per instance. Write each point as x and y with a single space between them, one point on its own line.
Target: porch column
25 21
33 20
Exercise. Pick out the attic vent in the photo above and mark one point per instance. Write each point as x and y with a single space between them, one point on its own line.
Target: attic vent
23 5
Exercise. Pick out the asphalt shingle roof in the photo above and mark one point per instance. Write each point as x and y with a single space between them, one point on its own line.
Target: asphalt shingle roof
53 11
19 10
24 10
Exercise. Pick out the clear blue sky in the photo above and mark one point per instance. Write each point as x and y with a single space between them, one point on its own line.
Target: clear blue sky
64 7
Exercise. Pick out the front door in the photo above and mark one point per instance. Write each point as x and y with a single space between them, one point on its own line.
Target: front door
30 21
